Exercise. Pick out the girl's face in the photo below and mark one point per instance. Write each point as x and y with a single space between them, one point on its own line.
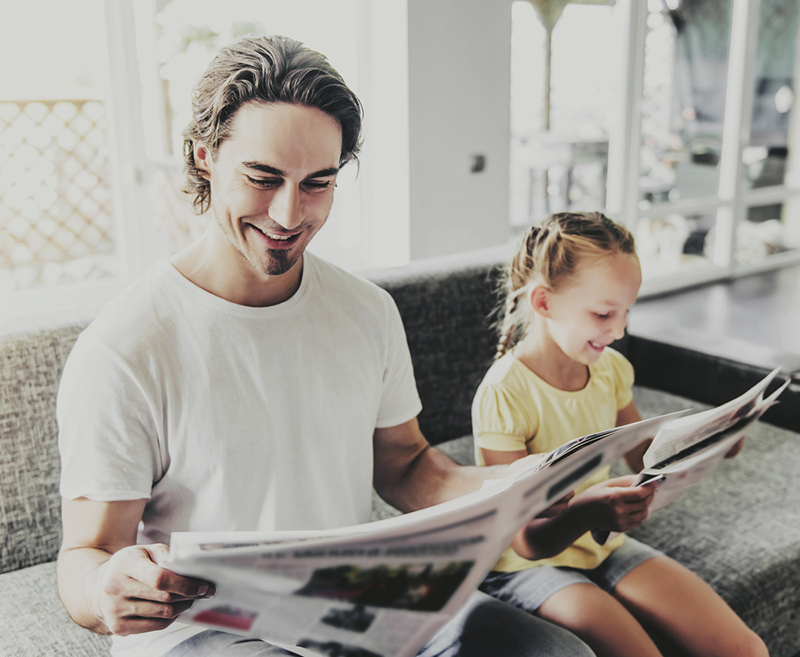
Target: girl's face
591 310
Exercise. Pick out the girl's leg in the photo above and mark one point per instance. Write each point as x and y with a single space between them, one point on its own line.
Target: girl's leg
663 593
600 620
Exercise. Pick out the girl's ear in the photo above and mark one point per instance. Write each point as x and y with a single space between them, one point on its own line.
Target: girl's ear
540 300
202 159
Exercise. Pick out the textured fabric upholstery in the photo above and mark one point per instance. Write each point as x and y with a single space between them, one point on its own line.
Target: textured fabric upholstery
445 308
34 624
30 518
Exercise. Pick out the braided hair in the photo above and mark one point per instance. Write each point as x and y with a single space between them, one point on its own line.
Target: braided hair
549 254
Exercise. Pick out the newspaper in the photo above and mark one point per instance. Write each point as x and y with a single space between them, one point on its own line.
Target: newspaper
687 449
382 589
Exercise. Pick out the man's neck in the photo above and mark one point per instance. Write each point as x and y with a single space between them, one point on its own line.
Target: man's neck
214 266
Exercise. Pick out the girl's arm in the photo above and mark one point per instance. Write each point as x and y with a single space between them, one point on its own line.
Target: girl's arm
613 505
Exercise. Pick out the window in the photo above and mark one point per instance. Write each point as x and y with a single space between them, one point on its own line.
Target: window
57 221
562 108
690 145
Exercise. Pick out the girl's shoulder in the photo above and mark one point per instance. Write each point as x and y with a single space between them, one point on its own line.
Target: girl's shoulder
500 370
509 374
507 383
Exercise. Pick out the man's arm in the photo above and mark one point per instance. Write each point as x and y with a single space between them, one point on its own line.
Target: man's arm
410 474
108 584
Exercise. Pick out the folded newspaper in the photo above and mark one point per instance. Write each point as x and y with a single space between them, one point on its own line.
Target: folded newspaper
382 589
687 449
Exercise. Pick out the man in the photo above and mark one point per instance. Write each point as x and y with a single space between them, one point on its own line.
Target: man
246 384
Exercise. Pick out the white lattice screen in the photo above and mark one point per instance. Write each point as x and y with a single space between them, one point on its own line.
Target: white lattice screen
56 221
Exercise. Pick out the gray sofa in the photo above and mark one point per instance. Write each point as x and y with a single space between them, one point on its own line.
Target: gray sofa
739 530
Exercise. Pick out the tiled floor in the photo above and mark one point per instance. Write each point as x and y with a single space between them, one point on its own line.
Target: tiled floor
753 320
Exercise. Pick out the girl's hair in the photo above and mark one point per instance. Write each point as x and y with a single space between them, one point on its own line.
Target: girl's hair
549 254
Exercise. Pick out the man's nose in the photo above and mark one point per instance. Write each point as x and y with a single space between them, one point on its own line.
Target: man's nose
286 207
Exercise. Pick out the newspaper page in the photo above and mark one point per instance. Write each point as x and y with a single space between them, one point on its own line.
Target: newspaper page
382 589
689 448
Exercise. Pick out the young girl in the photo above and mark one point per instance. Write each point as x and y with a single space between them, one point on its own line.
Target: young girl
569 288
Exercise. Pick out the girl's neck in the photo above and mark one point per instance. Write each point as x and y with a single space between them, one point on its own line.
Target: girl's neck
542 356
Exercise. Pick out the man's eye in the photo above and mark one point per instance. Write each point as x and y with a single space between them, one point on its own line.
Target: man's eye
264 182
317 185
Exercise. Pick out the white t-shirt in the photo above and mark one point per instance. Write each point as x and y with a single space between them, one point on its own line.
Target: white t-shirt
227 417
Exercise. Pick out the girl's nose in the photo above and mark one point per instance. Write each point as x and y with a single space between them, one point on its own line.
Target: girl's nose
618 328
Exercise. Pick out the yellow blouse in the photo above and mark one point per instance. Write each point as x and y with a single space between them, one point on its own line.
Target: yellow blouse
515 410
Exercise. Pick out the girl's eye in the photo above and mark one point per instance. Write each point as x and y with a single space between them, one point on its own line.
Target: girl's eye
602 315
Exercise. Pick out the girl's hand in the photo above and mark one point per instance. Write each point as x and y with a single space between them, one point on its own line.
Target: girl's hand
616 504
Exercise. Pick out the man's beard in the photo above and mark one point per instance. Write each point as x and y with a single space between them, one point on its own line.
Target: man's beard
279 263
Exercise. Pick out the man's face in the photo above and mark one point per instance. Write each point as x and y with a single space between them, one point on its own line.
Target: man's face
272 183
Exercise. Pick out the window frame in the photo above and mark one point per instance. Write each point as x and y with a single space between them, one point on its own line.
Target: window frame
733 198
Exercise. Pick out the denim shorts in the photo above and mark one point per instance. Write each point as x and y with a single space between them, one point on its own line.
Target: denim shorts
528 589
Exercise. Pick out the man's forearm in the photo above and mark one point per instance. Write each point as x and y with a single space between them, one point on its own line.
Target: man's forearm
77 578
432 478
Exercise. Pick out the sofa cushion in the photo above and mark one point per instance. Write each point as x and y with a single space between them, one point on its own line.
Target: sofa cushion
30 515
33 622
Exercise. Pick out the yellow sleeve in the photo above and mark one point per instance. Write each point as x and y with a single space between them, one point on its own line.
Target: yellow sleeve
622 377
502 422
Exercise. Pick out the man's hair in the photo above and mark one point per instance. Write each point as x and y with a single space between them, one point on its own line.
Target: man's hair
263 69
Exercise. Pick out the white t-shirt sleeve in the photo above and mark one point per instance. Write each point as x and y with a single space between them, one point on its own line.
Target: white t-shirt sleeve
107 436
399 399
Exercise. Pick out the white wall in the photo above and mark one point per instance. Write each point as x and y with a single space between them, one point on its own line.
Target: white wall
459 54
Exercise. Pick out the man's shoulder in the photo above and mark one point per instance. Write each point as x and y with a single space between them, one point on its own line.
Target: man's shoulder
138 305
337 281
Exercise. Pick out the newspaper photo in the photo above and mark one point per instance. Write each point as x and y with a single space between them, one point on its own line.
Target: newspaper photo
382 588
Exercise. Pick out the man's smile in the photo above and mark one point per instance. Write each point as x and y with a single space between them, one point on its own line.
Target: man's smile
275 240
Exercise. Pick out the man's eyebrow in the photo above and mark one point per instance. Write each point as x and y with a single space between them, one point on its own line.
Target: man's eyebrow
266 168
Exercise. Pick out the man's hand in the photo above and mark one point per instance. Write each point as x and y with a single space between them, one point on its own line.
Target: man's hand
108 584
133 594
616 504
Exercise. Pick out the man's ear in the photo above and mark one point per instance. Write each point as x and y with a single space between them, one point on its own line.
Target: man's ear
202 158
539 298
